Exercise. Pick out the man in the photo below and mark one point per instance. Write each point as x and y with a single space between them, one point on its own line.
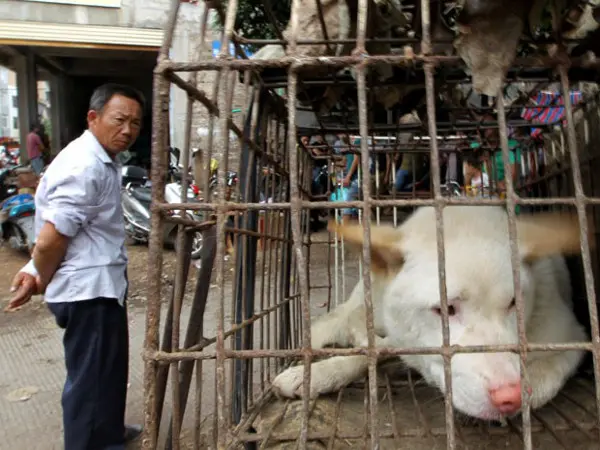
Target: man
350 188
35 147
79 262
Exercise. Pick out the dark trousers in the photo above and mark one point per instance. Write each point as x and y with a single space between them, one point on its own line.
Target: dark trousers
96 343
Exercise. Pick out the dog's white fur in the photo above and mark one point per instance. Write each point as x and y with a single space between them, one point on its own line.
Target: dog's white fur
405 289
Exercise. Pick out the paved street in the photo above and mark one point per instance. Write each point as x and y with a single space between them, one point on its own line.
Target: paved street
31 357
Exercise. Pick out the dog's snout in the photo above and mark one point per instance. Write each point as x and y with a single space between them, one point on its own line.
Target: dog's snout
507 398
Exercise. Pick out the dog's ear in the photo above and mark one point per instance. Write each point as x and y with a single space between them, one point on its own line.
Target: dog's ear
546 234
386 255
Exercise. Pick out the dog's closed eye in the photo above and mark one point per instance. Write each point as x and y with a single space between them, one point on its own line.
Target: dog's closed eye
512 304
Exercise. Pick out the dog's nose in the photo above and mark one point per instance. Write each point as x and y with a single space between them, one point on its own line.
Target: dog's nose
507 398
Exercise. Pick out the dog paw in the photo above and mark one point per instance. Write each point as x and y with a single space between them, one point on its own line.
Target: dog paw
288 384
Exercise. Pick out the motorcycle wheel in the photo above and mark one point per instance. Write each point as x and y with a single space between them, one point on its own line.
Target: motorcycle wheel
16 239
197 245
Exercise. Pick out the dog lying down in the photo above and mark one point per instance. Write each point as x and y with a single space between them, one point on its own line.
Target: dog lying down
481 299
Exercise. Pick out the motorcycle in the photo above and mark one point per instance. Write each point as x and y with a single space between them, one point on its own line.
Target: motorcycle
136 199
173 195
135 202
7 188
17 221
451 189
9 157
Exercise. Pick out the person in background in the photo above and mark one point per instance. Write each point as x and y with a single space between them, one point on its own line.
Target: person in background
494 163
319 182
405 171
305 140
476 180
79 263
410 163
35 147
317 145
349 183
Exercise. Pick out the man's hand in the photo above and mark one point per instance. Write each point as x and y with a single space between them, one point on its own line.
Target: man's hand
24 286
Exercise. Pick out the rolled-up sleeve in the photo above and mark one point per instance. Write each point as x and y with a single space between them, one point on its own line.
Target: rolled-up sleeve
72 200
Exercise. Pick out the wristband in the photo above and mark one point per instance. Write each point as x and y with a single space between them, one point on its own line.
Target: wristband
30 268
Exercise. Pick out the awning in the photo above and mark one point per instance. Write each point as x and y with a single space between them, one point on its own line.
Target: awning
79 36
101 3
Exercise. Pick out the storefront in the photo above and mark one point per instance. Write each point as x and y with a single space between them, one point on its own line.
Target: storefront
72 60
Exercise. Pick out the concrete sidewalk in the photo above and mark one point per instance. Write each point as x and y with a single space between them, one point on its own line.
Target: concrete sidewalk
33 372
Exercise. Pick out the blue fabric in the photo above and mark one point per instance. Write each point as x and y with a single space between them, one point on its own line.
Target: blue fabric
402 177
37 164
350 194
348 156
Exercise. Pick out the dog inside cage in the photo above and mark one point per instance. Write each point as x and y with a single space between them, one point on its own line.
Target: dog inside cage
399 244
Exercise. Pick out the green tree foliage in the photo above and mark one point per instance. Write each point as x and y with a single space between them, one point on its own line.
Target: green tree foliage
47 127
252 21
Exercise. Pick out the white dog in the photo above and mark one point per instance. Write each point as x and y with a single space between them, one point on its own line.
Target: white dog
481 298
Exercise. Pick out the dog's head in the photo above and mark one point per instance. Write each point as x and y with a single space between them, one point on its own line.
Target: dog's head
480 292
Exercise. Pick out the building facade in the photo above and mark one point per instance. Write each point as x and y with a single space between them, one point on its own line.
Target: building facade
66 42
9 105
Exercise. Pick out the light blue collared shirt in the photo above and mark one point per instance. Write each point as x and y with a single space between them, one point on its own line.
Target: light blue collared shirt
80 193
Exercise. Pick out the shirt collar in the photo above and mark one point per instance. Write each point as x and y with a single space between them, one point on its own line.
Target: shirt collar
99 150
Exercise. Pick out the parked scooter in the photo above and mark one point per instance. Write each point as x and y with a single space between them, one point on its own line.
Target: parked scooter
136 199
173 195
7 188
135 202
17 221
9 157
213 181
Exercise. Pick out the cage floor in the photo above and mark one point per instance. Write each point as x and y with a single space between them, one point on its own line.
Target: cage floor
411 416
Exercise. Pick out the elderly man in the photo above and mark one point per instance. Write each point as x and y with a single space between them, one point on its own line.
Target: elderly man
79 262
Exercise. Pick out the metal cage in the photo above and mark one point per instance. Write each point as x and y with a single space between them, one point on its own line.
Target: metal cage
249 316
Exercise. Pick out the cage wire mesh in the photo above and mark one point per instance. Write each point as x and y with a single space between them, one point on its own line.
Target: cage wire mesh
430 101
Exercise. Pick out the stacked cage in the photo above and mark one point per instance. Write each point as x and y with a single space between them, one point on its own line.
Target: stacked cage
298 323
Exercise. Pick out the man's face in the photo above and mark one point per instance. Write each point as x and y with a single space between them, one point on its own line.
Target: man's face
304 140
118 125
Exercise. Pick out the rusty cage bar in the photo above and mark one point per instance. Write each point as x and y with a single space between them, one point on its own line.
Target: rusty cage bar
265 274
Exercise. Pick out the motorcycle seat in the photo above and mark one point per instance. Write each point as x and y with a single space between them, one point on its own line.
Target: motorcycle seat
143 194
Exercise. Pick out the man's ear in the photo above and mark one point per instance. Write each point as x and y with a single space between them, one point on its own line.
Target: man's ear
547 234
386 255
92 115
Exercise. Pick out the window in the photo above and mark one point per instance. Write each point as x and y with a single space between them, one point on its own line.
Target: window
16 123
15 101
